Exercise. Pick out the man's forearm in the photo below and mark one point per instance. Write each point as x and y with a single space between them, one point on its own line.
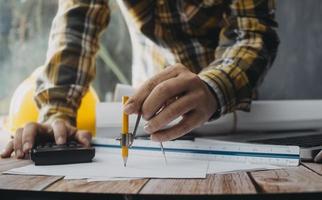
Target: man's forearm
70 63
247 48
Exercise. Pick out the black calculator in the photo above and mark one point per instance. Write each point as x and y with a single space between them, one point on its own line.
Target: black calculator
69 153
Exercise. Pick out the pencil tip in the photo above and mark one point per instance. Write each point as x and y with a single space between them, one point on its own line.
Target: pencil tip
124 161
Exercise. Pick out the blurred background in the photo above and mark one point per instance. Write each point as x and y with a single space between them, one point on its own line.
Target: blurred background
297 70
24 31
25 25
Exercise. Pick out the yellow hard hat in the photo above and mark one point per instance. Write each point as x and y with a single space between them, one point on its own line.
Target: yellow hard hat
23 108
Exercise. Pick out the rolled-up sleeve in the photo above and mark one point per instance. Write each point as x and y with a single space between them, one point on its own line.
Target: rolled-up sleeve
70 63
247 47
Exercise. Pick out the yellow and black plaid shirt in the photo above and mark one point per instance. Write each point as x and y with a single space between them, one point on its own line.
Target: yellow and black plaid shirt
230 43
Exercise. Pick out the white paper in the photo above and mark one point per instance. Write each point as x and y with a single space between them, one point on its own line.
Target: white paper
213 150
109 164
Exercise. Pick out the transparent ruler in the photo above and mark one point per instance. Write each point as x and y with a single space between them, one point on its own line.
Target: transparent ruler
212 150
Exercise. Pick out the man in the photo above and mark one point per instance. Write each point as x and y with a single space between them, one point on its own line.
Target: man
222 49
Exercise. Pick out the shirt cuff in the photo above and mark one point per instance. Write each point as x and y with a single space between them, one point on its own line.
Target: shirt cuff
224 91
51 112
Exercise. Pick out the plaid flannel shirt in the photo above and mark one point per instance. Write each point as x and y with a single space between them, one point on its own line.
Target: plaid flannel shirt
230 44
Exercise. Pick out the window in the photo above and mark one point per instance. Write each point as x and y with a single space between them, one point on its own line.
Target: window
24 30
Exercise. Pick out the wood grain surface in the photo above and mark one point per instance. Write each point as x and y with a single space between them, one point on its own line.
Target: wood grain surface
296 179
124 187
305 178
234 183
10 163
22 182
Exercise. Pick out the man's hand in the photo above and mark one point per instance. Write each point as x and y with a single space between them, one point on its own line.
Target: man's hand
59 130
168 95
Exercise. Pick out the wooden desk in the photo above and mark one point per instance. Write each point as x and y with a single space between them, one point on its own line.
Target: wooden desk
303 181
296 183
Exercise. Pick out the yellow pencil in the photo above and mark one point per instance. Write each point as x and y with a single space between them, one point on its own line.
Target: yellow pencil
125 132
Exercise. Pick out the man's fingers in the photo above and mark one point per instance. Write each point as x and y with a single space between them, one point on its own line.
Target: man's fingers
8 150
84 137
28 136
161 94
17 143
60 131
135 102
189 121
171 112
170 101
